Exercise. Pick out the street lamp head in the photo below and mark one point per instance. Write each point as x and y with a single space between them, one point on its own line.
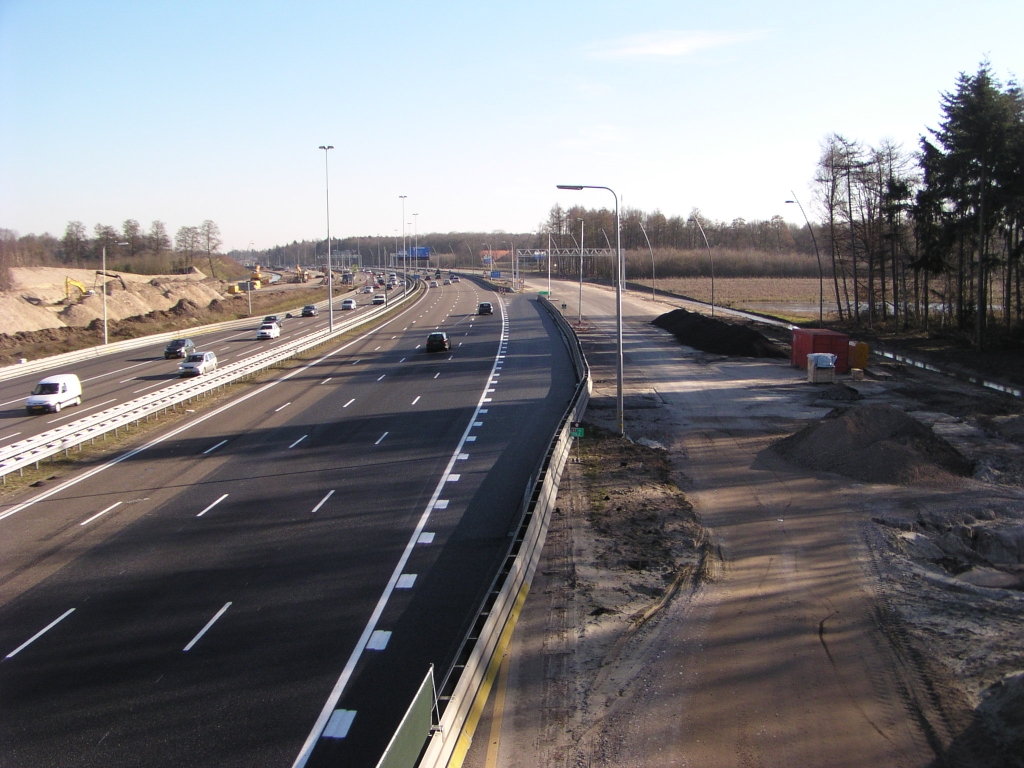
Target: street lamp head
576 187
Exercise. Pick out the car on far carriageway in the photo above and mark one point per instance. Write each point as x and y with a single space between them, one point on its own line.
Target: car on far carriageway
198 363
485 308
179 348
438 341
310 310
380 298
268 331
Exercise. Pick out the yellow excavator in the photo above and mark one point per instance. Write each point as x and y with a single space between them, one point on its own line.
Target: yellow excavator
69 283
256 278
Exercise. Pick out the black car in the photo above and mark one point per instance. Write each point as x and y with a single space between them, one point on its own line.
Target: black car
310 310
274 319
485 308
438 342
179 348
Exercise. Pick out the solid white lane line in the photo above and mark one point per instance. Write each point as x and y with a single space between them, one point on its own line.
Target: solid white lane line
382 377
378 640
218 501
283 406
8 437
298 441
322 502
100 514
40 633
81 410
209 624
346 405
416 400
214 448
18 400
327 379
405 581
148 386
381 438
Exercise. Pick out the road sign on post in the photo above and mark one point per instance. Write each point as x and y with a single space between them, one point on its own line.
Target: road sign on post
576 429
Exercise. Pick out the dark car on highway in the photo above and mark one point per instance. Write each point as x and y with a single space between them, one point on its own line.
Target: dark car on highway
438 342
274 319
179 348
485 308
309 310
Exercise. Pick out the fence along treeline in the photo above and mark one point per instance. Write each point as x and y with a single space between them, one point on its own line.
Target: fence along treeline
129 249
905 232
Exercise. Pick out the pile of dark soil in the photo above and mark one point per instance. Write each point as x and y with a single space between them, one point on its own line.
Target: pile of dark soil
838 391
716 336
876 444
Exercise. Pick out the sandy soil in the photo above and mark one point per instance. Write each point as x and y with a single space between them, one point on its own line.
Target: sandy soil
37 298
823 620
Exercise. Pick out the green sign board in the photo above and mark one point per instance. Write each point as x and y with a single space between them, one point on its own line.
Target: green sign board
576 431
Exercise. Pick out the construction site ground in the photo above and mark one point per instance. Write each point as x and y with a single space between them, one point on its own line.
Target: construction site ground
41 319
703 601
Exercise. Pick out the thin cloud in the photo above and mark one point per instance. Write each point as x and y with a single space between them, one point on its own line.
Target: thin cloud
670 44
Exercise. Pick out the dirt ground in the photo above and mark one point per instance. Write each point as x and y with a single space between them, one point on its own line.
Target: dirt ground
39 322
705 601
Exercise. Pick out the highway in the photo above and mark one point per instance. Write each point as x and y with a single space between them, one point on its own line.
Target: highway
290 560
118 378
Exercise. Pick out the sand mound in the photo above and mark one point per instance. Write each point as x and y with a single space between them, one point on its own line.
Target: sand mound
877 444
715 336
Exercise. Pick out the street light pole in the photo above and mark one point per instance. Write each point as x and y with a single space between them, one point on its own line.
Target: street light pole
821 276
104 282
619 271
416 242
696 221
579 304
404 270
653 284
330 272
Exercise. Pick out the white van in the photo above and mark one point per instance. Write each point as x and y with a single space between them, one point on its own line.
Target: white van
55 392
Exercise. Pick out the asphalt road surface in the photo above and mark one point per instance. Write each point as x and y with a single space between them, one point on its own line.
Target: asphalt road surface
291 560
114 379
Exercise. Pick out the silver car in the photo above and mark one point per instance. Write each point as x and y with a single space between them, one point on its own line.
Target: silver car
198 363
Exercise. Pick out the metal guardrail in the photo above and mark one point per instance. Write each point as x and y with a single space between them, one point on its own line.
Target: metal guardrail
467 685
17 456
91 353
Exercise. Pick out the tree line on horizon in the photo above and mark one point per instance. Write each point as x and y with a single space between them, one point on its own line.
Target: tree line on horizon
128 249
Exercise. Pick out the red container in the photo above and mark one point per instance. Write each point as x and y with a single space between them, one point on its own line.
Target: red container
808 340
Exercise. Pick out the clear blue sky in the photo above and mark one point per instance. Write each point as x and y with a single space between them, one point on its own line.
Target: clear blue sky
184 111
